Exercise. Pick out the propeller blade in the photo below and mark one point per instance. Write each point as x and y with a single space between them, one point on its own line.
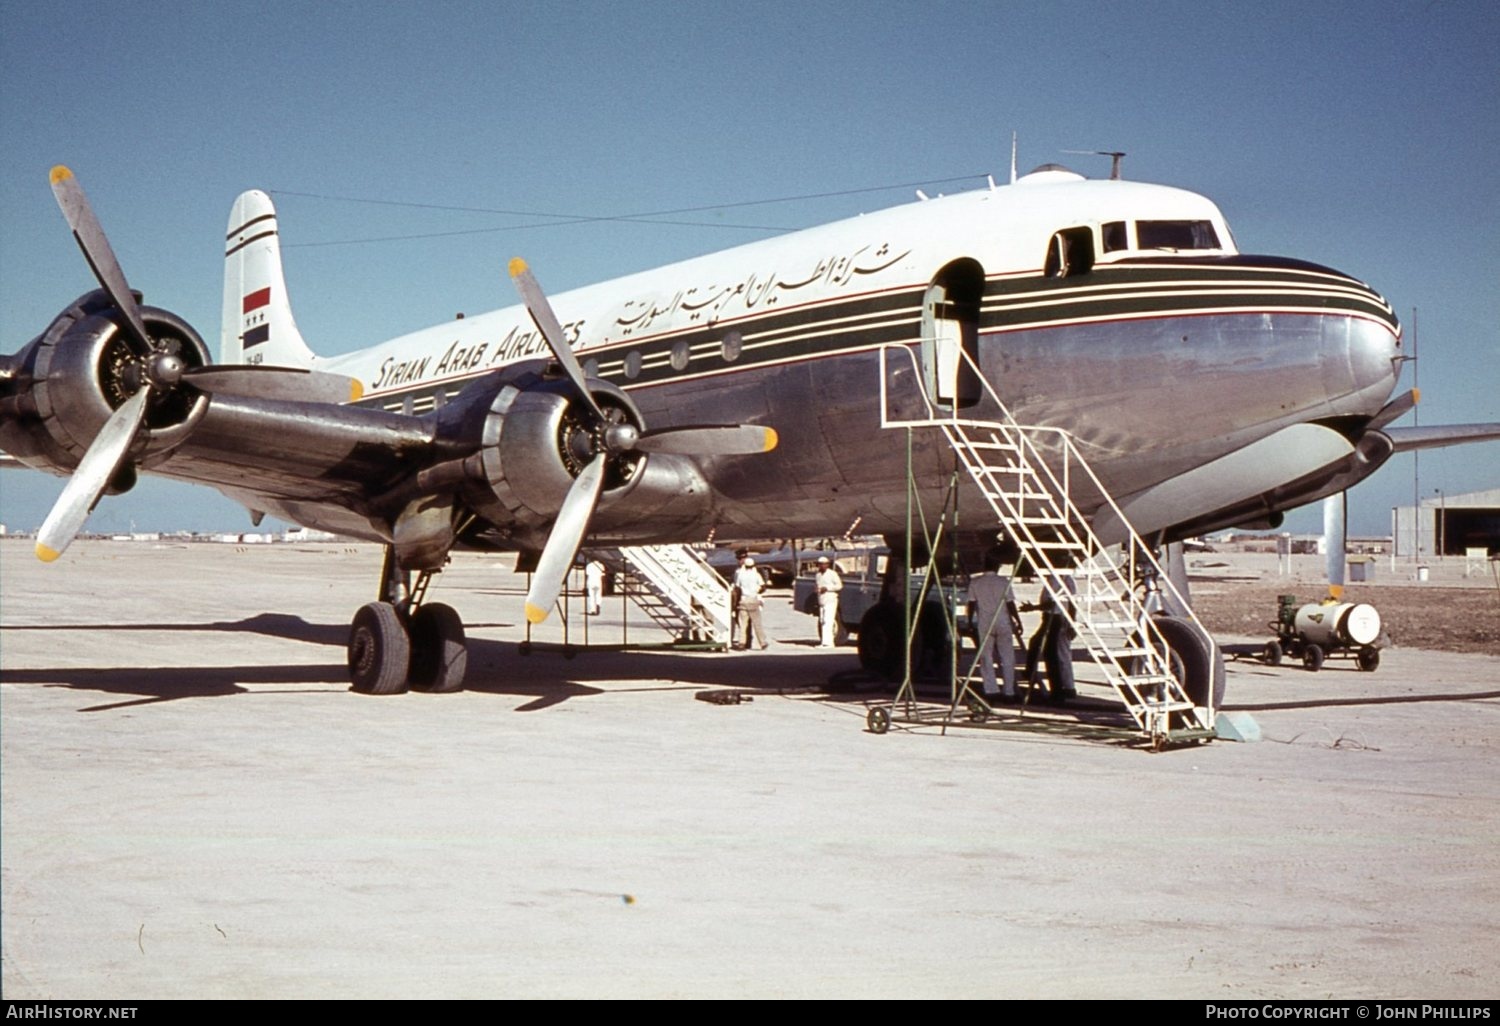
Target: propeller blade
99 464
547 323
285 384
713 440
1335 523
96 250
562 544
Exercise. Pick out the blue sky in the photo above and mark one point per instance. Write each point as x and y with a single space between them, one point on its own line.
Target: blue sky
1364 136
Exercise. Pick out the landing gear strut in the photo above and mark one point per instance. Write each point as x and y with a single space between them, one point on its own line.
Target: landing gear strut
400 642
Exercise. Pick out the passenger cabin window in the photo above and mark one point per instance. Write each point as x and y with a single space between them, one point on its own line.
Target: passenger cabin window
1176 235
1070 253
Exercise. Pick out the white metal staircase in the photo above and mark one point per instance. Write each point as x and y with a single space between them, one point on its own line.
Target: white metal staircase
674 586
1029 476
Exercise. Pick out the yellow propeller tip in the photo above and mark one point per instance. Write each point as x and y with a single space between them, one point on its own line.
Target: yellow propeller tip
772 439
517 267
1335 591
535 614
61 172
46 553
1416 396
356 390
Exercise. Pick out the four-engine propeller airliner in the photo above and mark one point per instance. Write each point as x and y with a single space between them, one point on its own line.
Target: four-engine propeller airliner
734 394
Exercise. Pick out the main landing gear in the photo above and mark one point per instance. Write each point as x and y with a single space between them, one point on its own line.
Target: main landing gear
402 642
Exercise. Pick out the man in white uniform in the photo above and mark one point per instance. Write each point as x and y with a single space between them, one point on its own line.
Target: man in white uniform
992 605
829 584
593 586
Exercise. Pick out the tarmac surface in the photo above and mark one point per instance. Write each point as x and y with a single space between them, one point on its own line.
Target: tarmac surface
194 805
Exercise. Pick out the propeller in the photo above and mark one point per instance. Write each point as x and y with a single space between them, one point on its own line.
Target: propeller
158 368
98 466
614 439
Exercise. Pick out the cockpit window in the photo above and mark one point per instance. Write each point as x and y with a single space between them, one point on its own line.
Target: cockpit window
1176 235
1115 236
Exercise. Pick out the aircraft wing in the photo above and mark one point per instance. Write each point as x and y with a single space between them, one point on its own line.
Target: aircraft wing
523 457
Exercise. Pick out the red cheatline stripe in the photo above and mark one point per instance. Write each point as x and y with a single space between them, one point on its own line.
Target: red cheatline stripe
257 299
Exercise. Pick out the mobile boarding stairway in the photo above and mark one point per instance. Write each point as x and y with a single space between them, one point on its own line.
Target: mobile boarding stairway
675 587
1029 476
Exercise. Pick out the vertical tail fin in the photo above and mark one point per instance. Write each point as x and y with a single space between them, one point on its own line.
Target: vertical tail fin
258 326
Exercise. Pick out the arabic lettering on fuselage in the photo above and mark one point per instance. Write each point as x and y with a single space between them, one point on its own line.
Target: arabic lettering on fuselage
756 289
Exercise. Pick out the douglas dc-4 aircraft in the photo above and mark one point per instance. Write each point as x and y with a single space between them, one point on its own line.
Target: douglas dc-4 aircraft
735 394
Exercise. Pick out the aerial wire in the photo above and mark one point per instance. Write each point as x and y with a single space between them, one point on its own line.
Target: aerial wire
646 217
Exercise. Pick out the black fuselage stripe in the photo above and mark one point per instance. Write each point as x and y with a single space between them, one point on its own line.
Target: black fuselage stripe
894 317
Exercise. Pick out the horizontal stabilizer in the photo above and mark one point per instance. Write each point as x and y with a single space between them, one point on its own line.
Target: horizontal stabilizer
1408 439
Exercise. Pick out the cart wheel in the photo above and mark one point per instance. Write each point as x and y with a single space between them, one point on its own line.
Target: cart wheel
1271 654
1312 657
977 711
878 720
1369 658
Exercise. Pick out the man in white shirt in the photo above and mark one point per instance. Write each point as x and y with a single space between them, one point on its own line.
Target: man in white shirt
993 607
829 584
593 586
748 585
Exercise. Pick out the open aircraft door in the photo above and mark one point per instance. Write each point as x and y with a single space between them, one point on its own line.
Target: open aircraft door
950 326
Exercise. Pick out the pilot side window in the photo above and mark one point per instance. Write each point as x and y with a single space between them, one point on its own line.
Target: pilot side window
1071 252
1176 235
1115 236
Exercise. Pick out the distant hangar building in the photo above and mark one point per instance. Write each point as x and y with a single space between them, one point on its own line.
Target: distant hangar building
1448 525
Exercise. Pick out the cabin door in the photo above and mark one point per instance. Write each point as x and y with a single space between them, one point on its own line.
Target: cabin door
950 330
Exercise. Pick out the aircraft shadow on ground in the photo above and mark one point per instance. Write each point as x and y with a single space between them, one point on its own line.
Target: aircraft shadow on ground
286 626
548 676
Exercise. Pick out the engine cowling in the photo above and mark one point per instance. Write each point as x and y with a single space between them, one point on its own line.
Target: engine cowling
518 440
75 374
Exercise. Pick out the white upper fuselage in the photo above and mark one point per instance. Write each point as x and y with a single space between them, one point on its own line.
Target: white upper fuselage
1006 229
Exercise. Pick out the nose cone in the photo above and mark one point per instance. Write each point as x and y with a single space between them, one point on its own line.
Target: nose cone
1372 352
1361 355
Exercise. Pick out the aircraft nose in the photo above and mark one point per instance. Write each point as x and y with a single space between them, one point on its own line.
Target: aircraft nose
1374 353
1359 356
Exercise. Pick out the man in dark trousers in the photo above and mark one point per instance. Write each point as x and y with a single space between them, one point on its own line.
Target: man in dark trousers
1053 641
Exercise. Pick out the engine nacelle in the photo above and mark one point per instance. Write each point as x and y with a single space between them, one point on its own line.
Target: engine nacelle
77 372
519 440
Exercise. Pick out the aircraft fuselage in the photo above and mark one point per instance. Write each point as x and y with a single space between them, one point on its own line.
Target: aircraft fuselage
1119 311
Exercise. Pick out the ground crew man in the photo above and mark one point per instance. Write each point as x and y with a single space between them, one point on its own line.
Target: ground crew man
593 586
993 611
746 599
829 584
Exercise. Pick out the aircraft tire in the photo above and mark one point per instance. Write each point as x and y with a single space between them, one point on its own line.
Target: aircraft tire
439 653
1196 657
880 645
379 650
